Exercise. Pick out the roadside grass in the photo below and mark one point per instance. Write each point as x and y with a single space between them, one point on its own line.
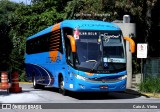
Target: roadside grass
150 85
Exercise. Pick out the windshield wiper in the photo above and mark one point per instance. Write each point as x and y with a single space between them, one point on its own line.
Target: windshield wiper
96 64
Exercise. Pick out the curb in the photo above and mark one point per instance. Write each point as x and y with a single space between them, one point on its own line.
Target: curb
137 92
156 95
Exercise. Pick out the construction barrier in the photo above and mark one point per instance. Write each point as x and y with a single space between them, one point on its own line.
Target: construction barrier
4 81
15 83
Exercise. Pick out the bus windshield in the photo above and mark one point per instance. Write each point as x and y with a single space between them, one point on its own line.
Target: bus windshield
94 47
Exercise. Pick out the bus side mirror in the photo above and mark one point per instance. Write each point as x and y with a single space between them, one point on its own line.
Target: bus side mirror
73 43
132 44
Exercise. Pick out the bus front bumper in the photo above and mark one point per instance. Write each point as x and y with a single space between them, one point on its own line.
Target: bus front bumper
86 86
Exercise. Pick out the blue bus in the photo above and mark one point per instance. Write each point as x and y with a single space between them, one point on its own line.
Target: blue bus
78 55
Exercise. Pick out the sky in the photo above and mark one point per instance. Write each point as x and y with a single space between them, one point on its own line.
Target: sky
24 1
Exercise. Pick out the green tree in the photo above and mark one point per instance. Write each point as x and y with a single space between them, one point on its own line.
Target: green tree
90 9
145 14
28 20
6 9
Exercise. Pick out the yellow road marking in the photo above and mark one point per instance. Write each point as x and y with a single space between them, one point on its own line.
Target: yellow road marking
25 82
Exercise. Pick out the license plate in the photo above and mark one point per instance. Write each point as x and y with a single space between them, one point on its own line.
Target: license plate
103 87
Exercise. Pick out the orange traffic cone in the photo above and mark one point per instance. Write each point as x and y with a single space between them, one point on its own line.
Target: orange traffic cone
4 81
15 83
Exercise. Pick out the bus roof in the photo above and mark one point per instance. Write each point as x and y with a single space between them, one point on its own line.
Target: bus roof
80 24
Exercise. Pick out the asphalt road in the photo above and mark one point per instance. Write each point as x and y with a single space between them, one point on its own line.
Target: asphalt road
51 95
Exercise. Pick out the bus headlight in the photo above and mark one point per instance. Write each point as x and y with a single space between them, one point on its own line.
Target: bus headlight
80 77
122 77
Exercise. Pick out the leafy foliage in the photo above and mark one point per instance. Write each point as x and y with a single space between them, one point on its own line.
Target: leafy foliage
6 8
28 20
90 9
150 84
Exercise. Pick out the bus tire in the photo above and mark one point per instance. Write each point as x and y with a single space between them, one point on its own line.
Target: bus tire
35 85
61 86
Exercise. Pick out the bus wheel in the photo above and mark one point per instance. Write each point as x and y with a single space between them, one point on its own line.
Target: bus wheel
61 87
35 85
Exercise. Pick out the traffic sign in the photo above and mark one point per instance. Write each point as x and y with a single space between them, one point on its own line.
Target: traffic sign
141 50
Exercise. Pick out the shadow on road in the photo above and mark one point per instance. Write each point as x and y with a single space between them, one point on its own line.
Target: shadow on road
4 93
7 93
128 94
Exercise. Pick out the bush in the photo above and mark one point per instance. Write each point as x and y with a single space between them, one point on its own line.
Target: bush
150 84
22 77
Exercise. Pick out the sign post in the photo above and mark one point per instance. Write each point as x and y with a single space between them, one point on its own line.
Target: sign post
142 53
